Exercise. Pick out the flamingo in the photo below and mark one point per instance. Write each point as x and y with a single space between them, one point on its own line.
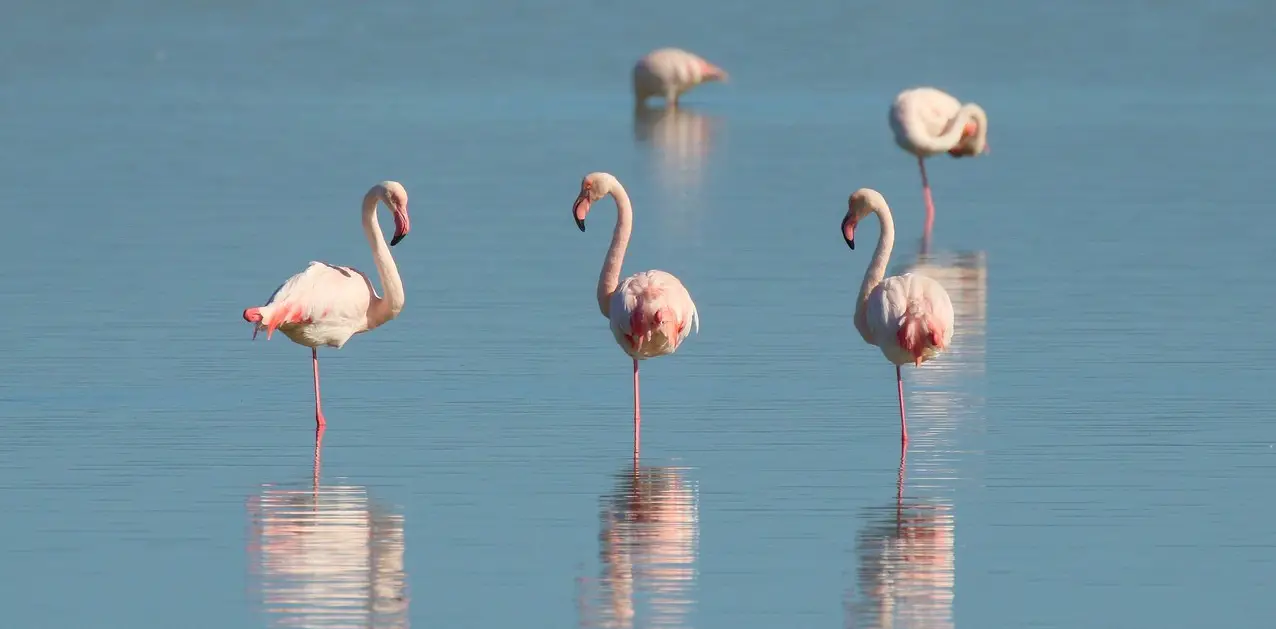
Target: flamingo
327 304
651 313
669 72
908 316
927 121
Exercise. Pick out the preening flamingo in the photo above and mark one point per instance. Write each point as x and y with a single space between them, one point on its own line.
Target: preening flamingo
669 72
327 304
908 316
651 313
927 121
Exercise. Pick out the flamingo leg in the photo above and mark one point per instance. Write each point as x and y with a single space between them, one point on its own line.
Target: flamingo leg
637 415
903 423
930 203
320 423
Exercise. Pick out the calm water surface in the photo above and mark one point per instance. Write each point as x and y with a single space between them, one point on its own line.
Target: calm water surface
1093 452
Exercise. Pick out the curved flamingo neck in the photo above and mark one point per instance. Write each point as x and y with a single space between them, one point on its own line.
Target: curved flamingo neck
876 269
609 278
391 303
949 139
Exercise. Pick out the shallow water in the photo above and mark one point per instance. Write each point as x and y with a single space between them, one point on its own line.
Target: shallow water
1087 454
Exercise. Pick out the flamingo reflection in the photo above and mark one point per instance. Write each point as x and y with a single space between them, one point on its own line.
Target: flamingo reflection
325 556
906 573
950 391
648 539
682 140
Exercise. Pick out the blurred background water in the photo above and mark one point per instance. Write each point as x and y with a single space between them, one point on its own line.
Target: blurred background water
1093 451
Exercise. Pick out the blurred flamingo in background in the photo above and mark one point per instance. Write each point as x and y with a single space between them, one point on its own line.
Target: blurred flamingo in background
669 72
327 304
651 313
908 316
927 121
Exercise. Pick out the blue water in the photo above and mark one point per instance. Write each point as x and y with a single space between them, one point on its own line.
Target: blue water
1094 451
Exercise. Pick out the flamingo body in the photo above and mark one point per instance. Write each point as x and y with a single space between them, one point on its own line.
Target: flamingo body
671 72
651 314
924 122
322 305
910 318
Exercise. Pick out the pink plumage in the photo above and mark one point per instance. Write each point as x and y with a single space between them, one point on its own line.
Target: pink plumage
908 317
326 304
651 313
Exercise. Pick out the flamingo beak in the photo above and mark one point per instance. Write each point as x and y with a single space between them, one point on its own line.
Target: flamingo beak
579 210
848 232
401 224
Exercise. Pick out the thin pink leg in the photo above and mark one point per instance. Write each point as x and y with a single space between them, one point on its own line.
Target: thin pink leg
903 423
320 423
930 204
637 414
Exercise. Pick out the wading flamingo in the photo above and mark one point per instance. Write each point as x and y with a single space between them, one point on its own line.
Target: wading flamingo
927 122
327 304
669 72
651 313
908 316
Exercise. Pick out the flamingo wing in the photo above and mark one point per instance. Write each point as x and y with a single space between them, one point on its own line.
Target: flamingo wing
652 314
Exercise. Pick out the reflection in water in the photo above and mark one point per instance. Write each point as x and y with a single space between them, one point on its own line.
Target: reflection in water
648 538
950 387
682 140
325 557
906 558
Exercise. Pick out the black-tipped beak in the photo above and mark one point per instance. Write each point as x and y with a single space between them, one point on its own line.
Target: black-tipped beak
579 209
848 232
401 225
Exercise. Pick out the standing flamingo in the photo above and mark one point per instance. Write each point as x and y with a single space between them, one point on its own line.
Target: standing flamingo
669 72
927 121
327 304
651 313
908 316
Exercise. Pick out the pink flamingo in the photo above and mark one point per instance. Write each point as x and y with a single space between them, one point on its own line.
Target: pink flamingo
651 313
669 72
908 316
927 121
327 304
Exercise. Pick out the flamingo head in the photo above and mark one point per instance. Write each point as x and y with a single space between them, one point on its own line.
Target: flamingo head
974 136
863 202
708 72
592 188
396 198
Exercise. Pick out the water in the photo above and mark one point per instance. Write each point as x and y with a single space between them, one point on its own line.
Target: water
1092 452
